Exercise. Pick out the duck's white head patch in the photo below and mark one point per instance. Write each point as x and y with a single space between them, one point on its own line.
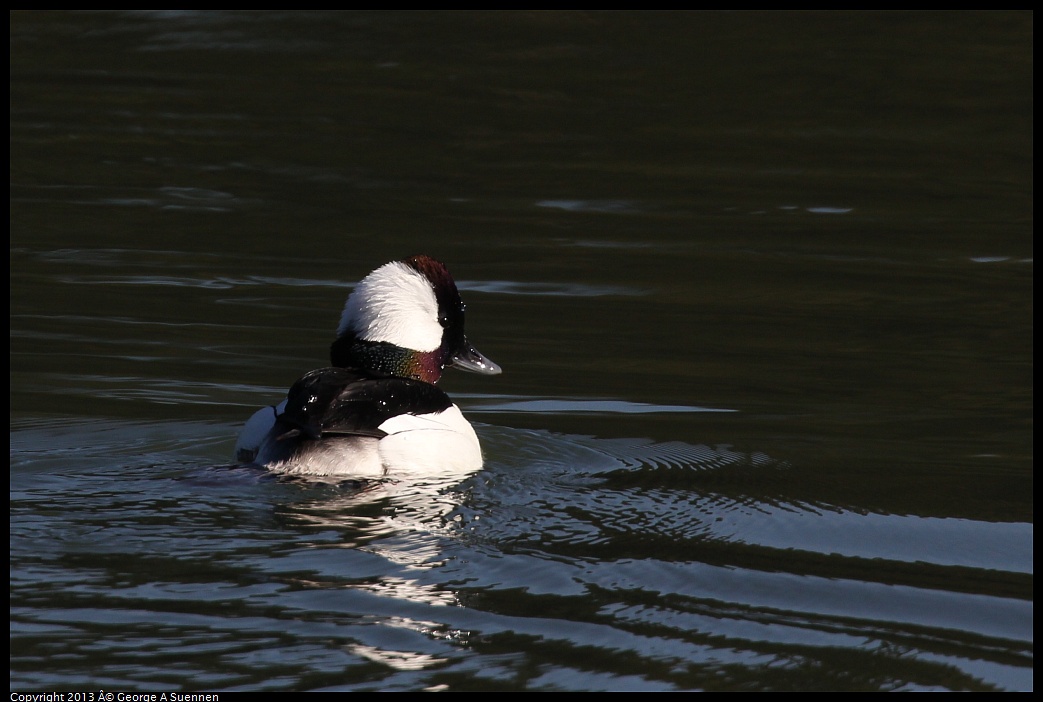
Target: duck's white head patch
396 304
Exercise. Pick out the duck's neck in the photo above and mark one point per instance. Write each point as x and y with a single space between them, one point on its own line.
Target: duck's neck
383 358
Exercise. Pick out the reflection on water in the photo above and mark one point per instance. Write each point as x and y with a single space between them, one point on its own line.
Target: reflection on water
569 541
765 320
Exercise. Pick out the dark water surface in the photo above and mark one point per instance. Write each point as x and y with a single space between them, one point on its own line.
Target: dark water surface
760 284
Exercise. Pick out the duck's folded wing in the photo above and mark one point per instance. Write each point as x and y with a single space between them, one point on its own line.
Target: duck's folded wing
340 401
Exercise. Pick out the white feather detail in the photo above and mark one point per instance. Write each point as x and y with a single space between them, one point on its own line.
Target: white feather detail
395 304
439 444
255 431
442 444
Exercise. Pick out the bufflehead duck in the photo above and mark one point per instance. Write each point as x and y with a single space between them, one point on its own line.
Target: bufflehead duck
377 409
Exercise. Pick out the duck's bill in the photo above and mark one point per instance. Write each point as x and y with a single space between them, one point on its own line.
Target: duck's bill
470 359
